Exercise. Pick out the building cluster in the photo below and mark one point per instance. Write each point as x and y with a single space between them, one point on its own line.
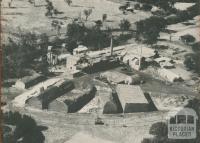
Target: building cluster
61 95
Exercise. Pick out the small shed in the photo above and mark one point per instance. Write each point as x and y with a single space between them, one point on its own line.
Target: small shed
28 81
132 98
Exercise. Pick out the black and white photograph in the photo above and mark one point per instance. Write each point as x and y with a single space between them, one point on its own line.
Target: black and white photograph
100 71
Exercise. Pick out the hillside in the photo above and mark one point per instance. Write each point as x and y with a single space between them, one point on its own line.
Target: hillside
32 18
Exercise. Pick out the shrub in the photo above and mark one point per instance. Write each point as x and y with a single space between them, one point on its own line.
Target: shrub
192 62
159 129
137 6
26 129
187 39
110 108
104 17
146 7
87 13
124 25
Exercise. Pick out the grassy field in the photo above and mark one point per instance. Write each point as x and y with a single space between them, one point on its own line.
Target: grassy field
27 17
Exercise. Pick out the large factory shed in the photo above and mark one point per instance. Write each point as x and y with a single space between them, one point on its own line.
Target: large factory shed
72 101
132 98
28 81
43 100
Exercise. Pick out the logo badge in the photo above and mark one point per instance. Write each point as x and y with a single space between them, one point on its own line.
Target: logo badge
182 124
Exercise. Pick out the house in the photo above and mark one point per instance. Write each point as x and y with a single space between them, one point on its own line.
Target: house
135 56
132 98
133 61
28 81
169 75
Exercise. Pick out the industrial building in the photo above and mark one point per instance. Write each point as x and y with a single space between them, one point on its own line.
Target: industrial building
28 81
43 100
132 98
72 101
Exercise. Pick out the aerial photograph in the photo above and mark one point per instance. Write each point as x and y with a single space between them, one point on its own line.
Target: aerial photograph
100 71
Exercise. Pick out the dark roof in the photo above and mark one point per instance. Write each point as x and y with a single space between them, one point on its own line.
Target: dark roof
28 79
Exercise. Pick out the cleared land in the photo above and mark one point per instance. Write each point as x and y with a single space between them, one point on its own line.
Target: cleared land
30 18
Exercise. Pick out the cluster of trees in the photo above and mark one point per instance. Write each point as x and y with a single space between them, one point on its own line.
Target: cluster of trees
20 54
26 129
51 10
192 62
148 30
91 37
184 15
164 4
94 37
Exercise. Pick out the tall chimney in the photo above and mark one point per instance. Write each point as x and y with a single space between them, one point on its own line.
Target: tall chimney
111 45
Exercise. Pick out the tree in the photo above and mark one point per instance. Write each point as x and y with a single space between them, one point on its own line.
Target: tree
148 30
98 24
57 26
159 129
146 7
104 17
69 2
124 25
192 62
50 9
26 129
19 55
87 13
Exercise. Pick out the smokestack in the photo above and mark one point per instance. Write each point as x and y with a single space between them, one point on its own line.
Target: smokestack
111 45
